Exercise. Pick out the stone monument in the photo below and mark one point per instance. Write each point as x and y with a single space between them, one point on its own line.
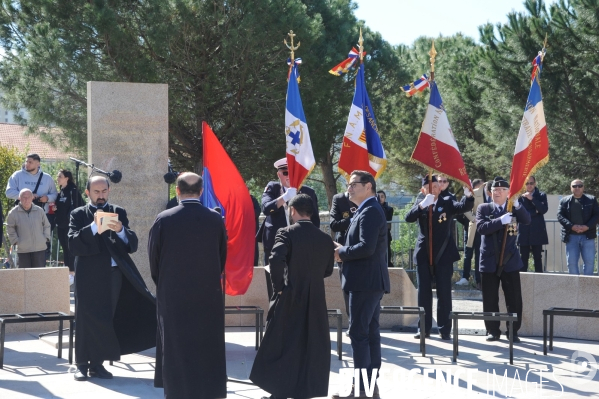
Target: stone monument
127 130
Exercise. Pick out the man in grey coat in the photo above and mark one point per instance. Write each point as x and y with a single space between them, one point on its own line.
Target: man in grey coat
29 229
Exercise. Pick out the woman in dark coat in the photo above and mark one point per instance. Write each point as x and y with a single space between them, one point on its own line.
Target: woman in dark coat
532 237
68 199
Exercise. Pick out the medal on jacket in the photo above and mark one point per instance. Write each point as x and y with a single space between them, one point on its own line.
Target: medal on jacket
442 217
512 227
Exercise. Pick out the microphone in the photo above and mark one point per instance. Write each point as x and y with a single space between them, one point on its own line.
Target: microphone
115 176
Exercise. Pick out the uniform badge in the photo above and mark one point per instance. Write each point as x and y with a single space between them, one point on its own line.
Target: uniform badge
442 218
345 215
440 209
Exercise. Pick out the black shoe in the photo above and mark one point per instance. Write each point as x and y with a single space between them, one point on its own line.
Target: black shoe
427 335
492 337
516 339
100 372
445 336
81 375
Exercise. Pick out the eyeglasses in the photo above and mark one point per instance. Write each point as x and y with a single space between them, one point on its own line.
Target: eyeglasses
443 181
353 185
285 172
577 186
529 183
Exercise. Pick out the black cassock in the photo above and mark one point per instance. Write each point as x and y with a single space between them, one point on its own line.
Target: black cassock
99 336
294 358
187 247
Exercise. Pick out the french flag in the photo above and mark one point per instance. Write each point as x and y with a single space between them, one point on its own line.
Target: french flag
436 147
532 145
300 157
416 87
362 148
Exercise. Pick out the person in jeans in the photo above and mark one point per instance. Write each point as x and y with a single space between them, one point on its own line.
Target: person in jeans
28 228
578 214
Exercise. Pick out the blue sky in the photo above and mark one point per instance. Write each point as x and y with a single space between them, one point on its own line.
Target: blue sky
402 21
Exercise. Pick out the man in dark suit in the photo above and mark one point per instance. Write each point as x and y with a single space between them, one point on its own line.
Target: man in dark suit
342 212
445 253
274 206
365 274
491 221
388 209
297 365
186 262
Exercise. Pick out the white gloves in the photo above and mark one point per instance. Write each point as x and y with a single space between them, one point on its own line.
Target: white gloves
517 204
428 200
290 193
467 192
506 219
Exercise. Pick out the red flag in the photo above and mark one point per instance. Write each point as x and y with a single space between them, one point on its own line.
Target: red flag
238 210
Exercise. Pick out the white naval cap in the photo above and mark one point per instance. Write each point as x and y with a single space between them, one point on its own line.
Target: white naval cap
281 163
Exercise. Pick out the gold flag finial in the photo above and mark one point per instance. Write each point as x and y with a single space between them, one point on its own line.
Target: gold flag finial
361 46
433 54
292 48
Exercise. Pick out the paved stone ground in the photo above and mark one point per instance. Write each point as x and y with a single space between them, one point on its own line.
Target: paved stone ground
32 369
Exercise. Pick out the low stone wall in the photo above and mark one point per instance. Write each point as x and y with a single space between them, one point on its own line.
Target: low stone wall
544 290
402 293
43 289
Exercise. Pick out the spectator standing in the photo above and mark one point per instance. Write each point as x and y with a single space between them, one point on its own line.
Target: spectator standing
32 177
388 209
472 247
68 199
578 214
342 212
532 237
29 229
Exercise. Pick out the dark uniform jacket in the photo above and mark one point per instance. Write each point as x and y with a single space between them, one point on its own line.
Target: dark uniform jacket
491 230
294 358
444 246
99 335
364 255
590 215
275 217
536 232
342 210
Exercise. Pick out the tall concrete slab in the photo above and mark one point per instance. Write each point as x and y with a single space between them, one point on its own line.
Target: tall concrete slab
127 130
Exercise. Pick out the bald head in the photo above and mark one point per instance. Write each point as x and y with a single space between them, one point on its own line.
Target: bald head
97 190
189 185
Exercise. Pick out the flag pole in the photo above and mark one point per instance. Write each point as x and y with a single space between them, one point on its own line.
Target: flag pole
361 47
433 54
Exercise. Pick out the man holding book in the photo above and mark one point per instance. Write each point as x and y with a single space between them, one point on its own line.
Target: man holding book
115 313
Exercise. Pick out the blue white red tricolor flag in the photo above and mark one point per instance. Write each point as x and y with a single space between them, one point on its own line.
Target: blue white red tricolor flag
532 145
345 66
416 87
436 147
537 65
362 148
224 187
300 158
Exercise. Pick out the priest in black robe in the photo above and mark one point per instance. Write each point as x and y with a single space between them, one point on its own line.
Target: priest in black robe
115 312
187 247
294 358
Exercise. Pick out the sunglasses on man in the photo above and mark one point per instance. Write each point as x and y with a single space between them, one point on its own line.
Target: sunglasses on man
577 186
285 172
